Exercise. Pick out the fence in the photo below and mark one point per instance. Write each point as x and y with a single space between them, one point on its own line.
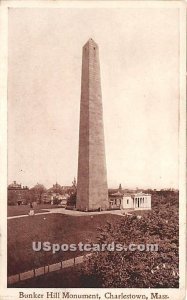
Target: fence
46 269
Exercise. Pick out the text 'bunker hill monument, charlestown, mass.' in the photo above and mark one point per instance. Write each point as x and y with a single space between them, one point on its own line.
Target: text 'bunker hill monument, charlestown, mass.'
92 188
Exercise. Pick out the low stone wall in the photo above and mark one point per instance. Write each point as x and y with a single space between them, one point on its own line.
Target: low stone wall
46 269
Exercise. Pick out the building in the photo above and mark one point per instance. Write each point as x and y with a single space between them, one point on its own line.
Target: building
17 194
115 200
14 186
59 199
58 194
131 201
92 190
136 201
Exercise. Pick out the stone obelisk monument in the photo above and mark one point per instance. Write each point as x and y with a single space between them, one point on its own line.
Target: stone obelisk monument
92 189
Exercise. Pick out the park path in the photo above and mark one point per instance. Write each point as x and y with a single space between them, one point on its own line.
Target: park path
72 213
47 269
23 216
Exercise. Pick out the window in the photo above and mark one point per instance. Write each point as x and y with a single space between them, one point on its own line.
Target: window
127 201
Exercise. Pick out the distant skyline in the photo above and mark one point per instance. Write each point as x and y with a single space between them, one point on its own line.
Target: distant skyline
139 58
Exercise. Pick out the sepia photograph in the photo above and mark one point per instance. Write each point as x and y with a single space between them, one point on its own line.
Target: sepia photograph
95 109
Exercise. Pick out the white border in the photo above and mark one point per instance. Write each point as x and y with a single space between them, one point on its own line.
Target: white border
3 142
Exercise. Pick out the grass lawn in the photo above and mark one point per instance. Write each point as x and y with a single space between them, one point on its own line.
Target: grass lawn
17 210
54 228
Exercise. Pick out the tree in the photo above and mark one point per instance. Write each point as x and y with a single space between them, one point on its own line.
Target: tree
12 197
29 196
138 269
71 202
38 190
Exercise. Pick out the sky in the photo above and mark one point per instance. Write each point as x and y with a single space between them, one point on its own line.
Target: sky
139 60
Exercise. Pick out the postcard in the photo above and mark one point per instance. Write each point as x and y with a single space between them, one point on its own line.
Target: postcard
93 150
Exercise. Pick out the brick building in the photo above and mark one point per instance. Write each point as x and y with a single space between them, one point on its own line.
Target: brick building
17 194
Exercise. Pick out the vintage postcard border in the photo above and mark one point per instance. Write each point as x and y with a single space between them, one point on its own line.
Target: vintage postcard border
13 293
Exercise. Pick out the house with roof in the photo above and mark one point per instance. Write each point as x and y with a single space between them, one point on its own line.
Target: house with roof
115 200
130 201
137 201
